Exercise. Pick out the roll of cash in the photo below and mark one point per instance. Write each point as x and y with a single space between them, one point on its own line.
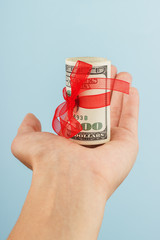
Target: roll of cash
95 122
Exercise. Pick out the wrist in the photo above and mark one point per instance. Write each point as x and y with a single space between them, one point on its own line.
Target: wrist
73 203
62 203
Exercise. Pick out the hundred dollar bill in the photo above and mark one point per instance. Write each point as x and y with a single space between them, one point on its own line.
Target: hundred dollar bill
95 122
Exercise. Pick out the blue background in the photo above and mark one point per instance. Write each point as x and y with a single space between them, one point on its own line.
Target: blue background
35 38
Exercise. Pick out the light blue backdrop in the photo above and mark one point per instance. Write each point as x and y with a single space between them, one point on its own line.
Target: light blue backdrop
35 38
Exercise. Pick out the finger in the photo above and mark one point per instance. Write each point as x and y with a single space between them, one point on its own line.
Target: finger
130 109
113 71
29 124
116 100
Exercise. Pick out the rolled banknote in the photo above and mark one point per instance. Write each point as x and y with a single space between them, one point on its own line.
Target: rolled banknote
95 122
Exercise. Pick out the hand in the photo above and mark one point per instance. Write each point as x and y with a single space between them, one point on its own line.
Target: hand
71 183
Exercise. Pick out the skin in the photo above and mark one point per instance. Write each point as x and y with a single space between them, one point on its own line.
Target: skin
72 183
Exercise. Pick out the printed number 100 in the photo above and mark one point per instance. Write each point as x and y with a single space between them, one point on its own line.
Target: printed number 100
94 126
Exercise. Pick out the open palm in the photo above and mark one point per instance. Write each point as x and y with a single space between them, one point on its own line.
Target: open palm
110 163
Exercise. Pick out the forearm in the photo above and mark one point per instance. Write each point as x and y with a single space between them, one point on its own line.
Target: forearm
57 208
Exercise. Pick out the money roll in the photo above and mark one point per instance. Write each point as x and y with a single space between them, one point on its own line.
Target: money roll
95 122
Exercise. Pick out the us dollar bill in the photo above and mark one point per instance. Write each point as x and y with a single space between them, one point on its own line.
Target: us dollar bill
95 122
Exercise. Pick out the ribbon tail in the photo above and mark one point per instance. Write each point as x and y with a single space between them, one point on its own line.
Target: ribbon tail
107 84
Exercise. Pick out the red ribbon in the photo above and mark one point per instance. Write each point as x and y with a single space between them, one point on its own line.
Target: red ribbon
64 123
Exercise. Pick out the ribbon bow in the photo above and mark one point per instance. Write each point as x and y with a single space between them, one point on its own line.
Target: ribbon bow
64 123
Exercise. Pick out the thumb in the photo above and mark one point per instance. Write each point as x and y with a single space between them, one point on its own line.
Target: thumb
29 124
23 140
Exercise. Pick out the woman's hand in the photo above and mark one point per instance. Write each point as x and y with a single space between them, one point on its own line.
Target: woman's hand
71 183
